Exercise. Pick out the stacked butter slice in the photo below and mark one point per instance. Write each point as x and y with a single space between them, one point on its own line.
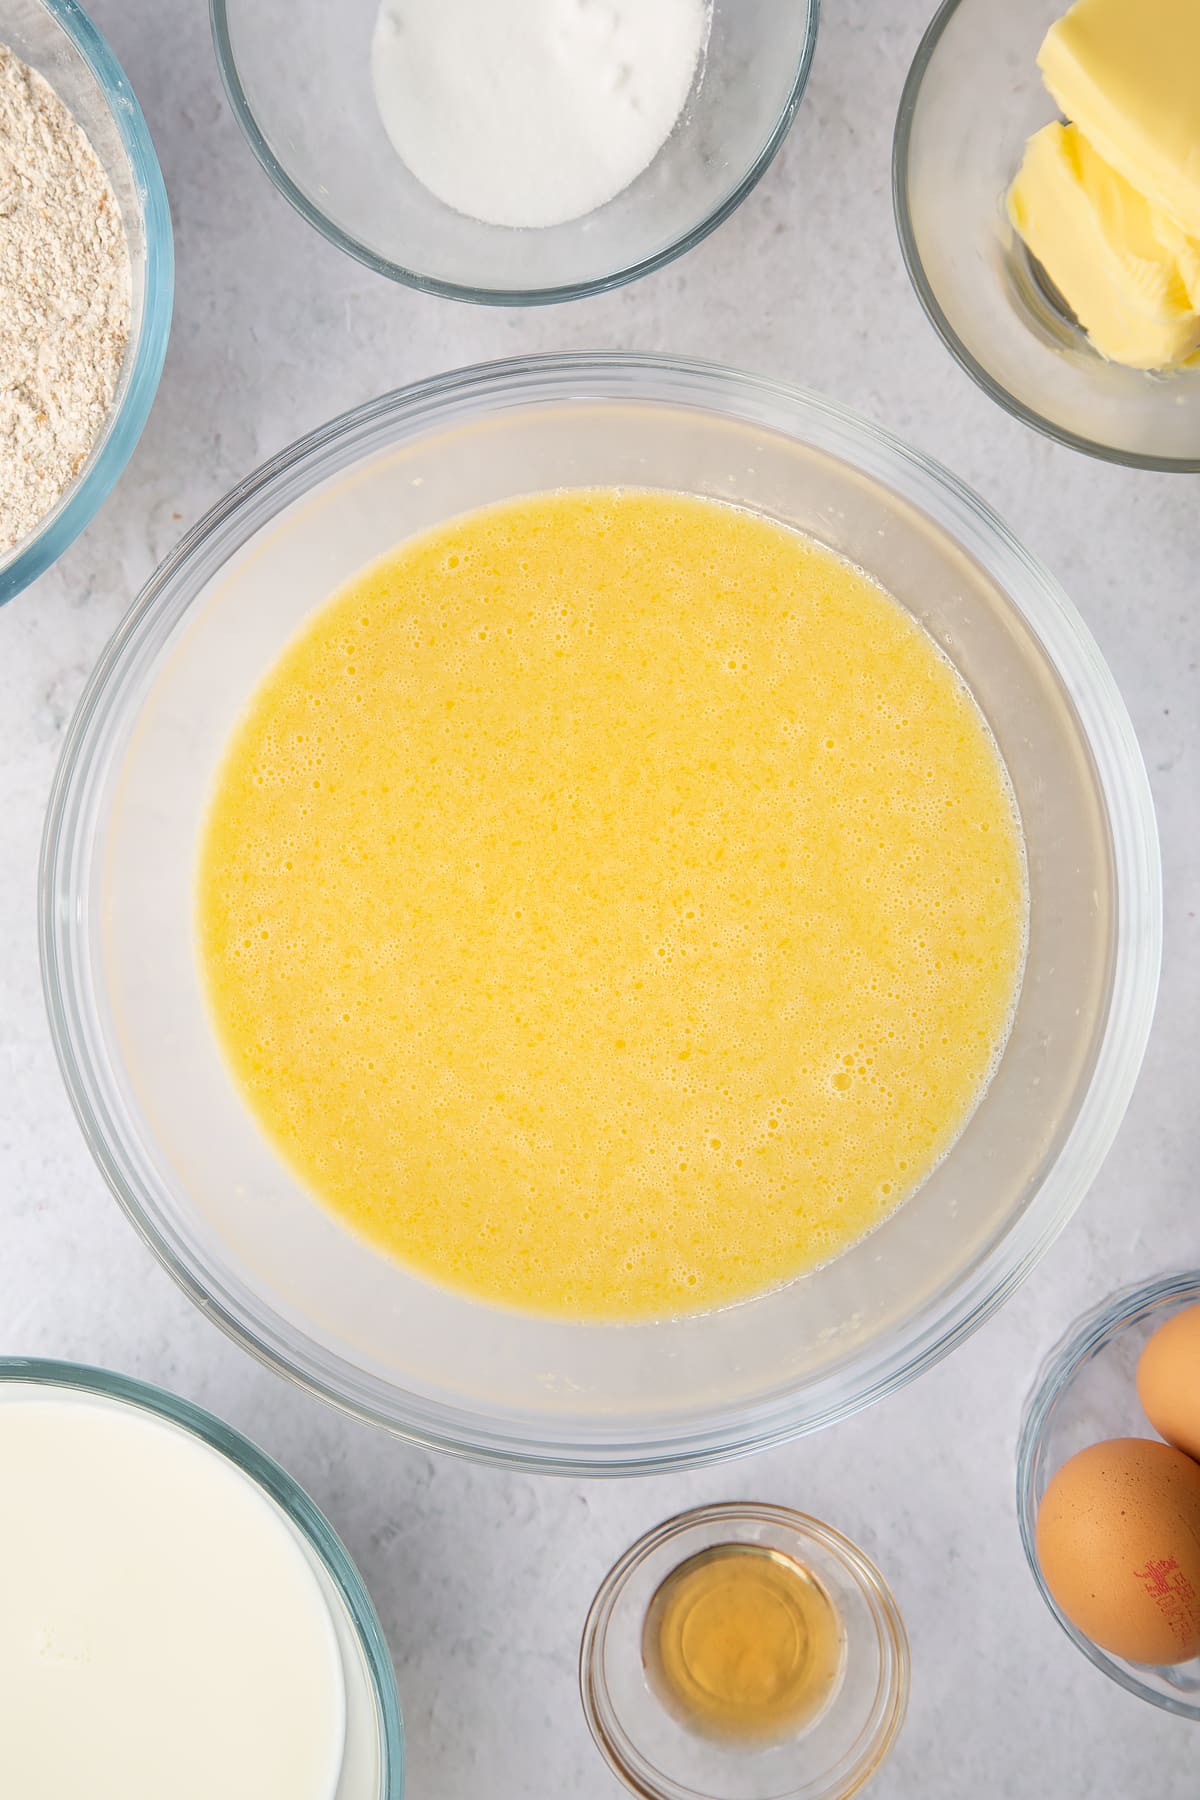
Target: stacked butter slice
1109 204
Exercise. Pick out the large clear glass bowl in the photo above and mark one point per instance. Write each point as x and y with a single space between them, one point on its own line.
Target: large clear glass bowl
57 38
169 1128
1085 1392
973 96
299 82
373 1757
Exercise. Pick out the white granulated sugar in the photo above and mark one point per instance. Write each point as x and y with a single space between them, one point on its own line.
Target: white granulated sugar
533 112
64 298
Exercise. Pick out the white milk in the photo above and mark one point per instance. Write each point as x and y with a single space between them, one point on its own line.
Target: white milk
162 1635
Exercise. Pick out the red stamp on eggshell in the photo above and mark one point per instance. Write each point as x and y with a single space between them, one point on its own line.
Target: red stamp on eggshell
1172 1593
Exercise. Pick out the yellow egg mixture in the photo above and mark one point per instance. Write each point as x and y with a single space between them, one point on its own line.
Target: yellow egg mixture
612 904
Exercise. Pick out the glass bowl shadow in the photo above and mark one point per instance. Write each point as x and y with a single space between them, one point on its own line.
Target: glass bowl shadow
57 38
1085 1392
299 83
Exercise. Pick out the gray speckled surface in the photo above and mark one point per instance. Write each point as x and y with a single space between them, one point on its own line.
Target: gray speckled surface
482 1579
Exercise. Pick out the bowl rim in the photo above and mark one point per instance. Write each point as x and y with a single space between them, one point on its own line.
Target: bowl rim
122 429
1087 1335
910 99
511 1439
293 1500
475 294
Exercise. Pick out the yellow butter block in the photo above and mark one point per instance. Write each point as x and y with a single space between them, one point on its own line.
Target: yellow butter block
1127 72
1185 250
1103 247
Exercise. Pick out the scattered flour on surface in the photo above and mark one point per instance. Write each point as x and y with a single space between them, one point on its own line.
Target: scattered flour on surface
64 298
533 112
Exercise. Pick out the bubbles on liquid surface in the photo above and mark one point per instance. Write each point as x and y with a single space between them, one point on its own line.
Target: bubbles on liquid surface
642 897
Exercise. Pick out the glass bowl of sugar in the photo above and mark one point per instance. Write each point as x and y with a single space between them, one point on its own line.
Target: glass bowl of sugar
538 152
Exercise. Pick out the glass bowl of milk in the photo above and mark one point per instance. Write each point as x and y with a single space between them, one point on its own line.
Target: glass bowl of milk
532 152
234 1221
180 1618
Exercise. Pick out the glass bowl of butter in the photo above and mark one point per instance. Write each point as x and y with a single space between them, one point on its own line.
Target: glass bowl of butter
445 1356
1045 187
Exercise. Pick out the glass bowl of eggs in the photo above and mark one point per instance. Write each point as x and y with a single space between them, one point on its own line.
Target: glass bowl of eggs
515 155
611 1215
1109 1512
974 97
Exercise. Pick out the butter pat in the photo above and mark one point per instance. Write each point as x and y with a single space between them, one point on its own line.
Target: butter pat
1116 261
1127 72
1184 249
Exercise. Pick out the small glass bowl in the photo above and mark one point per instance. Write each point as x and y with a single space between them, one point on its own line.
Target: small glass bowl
299 82
659 1758
57 38
373 1761
1086 1392
973 96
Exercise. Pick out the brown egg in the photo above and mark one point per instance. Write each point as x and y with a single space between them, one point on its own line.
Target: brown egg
1168 1380
1118 1540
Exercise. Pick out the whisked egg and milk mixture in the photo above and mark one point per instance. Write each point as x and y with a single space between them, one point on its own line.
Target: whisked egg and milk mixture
612 904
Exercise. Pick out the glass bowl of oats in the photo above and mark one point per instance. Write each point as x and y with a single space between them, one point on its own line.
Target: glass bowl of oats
86 279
